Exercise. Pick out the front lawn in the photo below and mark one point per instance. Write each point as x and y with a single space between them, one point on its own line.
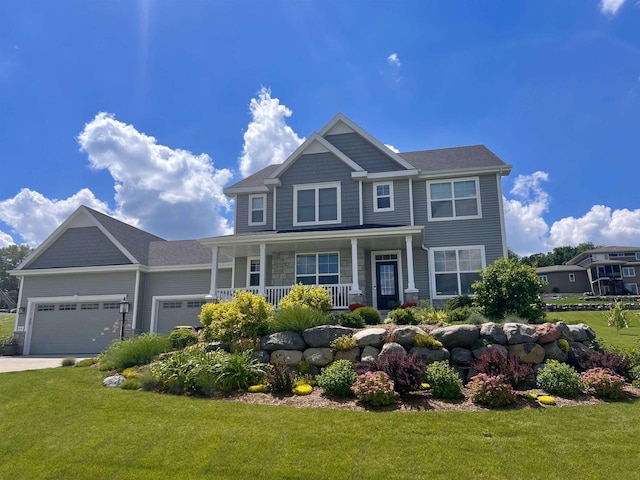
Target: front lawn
598 321
61 424
7 321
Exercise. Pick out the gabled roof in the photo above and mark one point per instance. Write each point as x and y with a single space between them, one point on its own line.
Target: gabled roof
179 252
560 268
610 249
455 158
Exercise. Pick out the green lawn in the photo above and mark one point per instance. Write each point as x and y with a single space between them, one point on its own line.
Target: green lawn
6 324
62 424
598 321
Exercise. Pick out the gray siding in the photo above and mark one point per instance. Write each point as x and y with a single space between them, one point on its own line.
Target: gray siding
363 153
80 247
169 318
317 168
240 272
242 214
401 214
560 280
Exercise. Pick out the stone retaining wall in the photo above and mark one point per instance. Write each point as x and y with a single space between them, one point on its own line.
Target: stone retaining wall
582 307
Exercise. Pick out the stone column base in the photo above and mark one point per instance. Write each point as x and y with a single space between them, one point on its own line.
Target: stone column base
356 298
411 296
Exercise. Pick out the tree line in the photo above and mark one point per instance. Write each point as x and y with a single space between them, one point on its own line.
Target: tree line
557 256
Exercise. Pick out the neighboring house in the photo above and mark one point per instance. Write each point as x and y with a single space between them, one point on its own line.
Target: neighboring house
601 271
342 211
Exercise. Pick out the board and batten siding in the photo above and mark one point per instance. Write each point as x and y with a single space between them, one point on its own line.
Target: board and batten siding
80 247
363 153
242 214
400 215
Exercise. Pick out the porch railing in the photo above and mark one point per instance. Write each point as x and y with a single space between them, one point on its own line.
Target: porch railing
339 294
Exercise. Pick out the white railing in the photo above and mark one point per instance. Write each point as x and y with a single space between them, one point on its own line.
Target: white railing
339 294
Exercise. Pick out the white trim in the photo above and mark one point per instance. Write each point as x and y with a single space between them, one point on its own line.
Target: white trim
233 273
374 280
572 277
360 203
156 299
411 215
263 268
250 209
274 207
376 197
411 287
631 270
452 181
503 230
355 281
316 187
397 175
500 169
184 268
247 283
543 278
235 213
432 269
116 269
232 191
134 318
214 271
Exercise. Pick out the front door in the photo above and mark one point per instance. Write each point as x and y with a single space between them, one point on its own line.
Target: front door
387 285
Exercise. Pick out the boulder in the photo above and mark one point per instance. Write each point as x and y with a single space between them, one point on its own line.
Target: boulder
461 356
113 381
262 356
289 357
478 352
564 331
370 336
493 333
318 357
527 352
553 352
470 374
369 354
387 348
352 355
576 349
323 335
547 333
429 356
405 335
581 333
457 335
282 341
213 346
519 333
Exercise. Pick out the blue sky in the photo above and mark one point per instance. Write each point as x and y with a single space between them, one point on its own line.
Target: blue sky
146 110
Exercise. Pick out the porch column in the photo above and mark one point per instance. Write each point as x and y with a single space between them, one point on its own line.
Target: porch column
263 263
214 271
355 287
411 290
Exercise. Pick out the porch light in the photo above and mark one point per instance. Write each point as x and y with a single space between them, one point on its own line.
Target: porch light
124 309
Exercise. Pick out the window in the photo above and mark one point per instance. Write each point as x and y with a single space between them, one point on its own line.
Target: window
632 287
67 306
89 306
628 271
454 199
597 257
195 304
171 304
620 254
253 272
383 197
46 308
572 277
637 255
316 204
543 278
257 210
318 269
111 306
455 269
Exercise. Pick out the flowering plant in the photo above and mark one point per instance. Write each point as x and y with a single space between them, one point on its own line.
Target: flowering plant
492 391
375 388
603 383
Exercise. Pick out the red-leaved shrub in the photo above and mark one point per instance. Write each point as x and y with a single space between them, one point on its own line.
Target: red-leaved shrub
494 363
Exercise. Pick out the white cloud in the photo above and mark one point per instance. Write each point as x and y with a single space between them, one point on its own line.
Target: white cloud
394 60
268 138
610 7
34 217
5 239
392 148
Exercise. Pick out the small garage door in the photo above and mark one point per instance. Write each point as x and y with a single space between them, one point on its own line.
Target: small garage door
74 328
178 312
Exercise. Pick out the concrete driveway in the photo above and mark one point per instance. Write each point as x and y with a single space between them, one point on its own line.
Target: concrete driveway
33 362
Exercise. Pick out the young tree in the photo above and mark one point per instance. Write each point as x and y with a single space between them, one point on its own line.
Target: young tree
508 287
617 318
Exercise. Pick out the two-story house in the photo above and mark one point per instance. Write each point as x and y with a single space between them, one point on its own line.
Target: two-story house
343 211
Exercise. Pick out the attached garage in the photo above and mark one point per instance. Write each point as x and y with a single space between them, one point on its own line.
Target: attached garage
174 312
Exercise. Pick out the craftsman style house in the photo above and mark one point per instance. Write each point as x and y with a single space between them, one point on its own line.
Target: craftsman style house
343 211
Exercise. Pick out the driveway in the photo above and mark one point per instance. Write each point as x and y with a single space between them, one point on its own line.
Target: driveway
32 362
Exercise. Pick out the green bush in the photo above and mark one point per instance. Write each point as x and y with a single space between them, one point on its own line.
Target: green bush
459 315
352 319
370 315
86 362
403 316
336 378
430 316
68 362
246 316
176 372
238 371
182 337
559 379
344 343
563 345
297 318
134 351
132 383
476 318
308 297
461 301
444 380
244 345
428 341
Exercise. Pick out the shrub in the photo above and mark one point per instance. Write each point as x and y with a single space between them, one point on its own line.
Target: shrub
174 373
352 319
603 383
280 378
430 316
261 388
444 380
491 391
370 315
405 371
355 306
68 362
303 367
461 301
563 345
136 351
246 316
546 400
458 315
148 381
559 379
86 362
375 388
297 318
130 372
238 371
343 343
401 316
244 345
428 341
308 297
182 337
611 361
336 378
479 343
302 389
476 319
494 363
132 383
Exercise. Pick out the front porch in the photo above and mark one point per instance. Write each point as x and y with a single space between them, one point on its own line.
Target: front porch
339 294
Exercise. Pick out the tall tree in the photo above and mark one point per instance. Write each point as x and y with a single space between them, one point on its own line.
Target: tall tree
10 258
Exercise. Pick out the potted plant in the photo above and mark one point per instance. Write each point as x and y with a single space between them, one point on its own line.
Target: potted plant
10 346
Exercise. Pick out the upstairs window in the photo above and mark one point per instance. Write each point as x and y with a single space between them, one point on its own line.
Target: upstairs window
257 210
457 199
318 269
628 271
316 204
383 197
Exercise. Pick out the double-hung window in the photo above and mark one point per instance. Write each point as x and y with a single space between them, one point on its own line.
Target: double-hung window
253 272
318 269
257 209
316 203
455 269
383 197
455 199
628 271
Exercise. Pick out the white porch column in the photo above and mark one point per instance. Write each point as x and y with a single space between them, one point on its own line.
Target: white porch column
355 287
214 271
263 265
409 246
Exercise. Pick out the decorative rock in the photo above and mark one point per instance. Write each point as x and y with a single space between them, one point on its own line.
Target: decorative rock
318 356
564 331
578 332
461 356
370 336
553 352
369 353
282 341
547 333
351 355
462 372
387 348
429 356
576 349
519 333
213 346
113 381
261 355
406 335
323 335
478 352
493 333
290 357
527 352
457 335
